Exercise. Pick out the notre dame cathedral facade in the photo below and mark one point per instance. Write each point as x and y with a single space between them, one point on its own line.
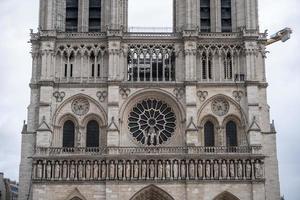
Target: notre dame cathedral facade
121 114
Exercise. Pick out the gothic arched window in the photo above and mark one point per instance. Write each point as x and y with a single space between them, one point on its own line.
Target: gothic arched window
231 134
68 134
71 15
228 66
92 134
209 134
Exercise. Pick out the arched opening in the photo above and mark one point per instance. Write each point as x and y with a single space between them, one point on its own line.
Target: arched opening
92 134
150 16
209 134
76 198
69 134
226 196
231 134
152 193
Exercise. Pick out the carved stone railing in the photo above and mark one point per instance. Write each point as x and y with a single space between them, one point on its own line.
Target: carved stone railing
170 169
243 150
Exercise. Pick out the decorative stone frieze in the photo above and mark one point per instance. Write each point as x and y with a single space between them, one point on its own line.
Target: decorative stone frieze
148 169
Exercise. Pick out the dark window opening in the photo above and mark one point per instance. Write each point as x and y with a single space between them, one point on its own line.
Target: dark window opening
205 16
71 70
151 64
71 15
226 20
68 134
228 67
92 134
209 134
206 67
231 134
98 70
66 70
93 70
95 16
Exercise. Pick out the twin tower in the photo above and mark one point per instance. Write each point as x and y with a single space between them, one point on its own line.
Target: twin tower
122 115
98 16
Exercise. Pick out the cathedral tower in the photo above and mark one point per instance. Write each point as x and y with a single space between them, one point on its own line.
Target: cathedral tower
120 115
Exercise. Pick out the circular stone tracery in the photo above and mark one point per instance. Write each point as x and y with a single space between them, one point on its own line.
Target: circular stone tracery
152 122
80 106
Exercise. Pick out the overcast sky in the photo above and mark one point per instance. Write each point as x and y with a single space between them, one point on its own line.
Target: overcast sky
18 16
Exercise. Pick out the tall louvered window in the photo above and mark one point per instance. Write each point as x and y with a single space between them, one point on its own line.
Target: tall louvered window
209 134
71 15
94 16
231 134
205 15
92 134
226 16
68 134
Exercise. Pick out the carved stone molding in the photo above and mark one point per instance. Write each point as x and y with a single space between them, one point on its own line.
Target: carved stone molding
80 106
59 96
202 95
101 95
179 93
238 95
147 170
125 92
220 106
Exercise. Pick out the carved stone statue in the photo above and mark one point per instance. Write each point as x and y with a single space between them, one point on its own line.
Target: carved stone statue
240 169
72 171
88 171
192 170
95 171
248 170
231 170
120 170
57 170
136 170
258 170
207 170
183 170
112 170
216 170
175 169
151 170
39 170
224 170
65 171
80 171
128 170
49 174
144 169
103 171
168 170
200 170
159 170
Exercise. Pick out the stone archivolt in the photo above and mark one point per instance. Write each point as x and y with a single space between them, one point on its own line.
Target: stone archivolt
150 169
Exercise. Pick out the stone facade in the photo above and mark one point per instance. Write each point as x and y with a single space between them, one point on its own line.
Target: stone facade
8 188
179 115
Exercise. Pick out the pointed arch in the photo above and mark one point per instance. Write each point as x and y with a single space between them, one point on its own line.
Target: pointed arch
152 192
75 195
226 196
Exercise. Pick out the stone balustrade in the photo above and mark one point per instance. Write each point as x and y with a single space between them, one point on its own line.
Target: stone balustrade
221 150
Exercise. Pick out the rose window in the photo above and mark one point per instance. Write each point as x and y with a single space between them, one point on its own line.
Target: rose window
152 122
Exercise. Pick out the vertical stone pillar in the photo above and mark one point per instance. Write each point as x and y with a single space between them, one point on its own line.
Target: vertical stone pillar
251 9
83 13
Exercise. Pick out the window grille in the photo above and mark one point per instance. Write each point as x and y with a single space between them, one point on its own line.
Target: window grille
228 62
205 16
68 134
153 63
209 134
71 15
92 134
94 15
226 19
206 66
